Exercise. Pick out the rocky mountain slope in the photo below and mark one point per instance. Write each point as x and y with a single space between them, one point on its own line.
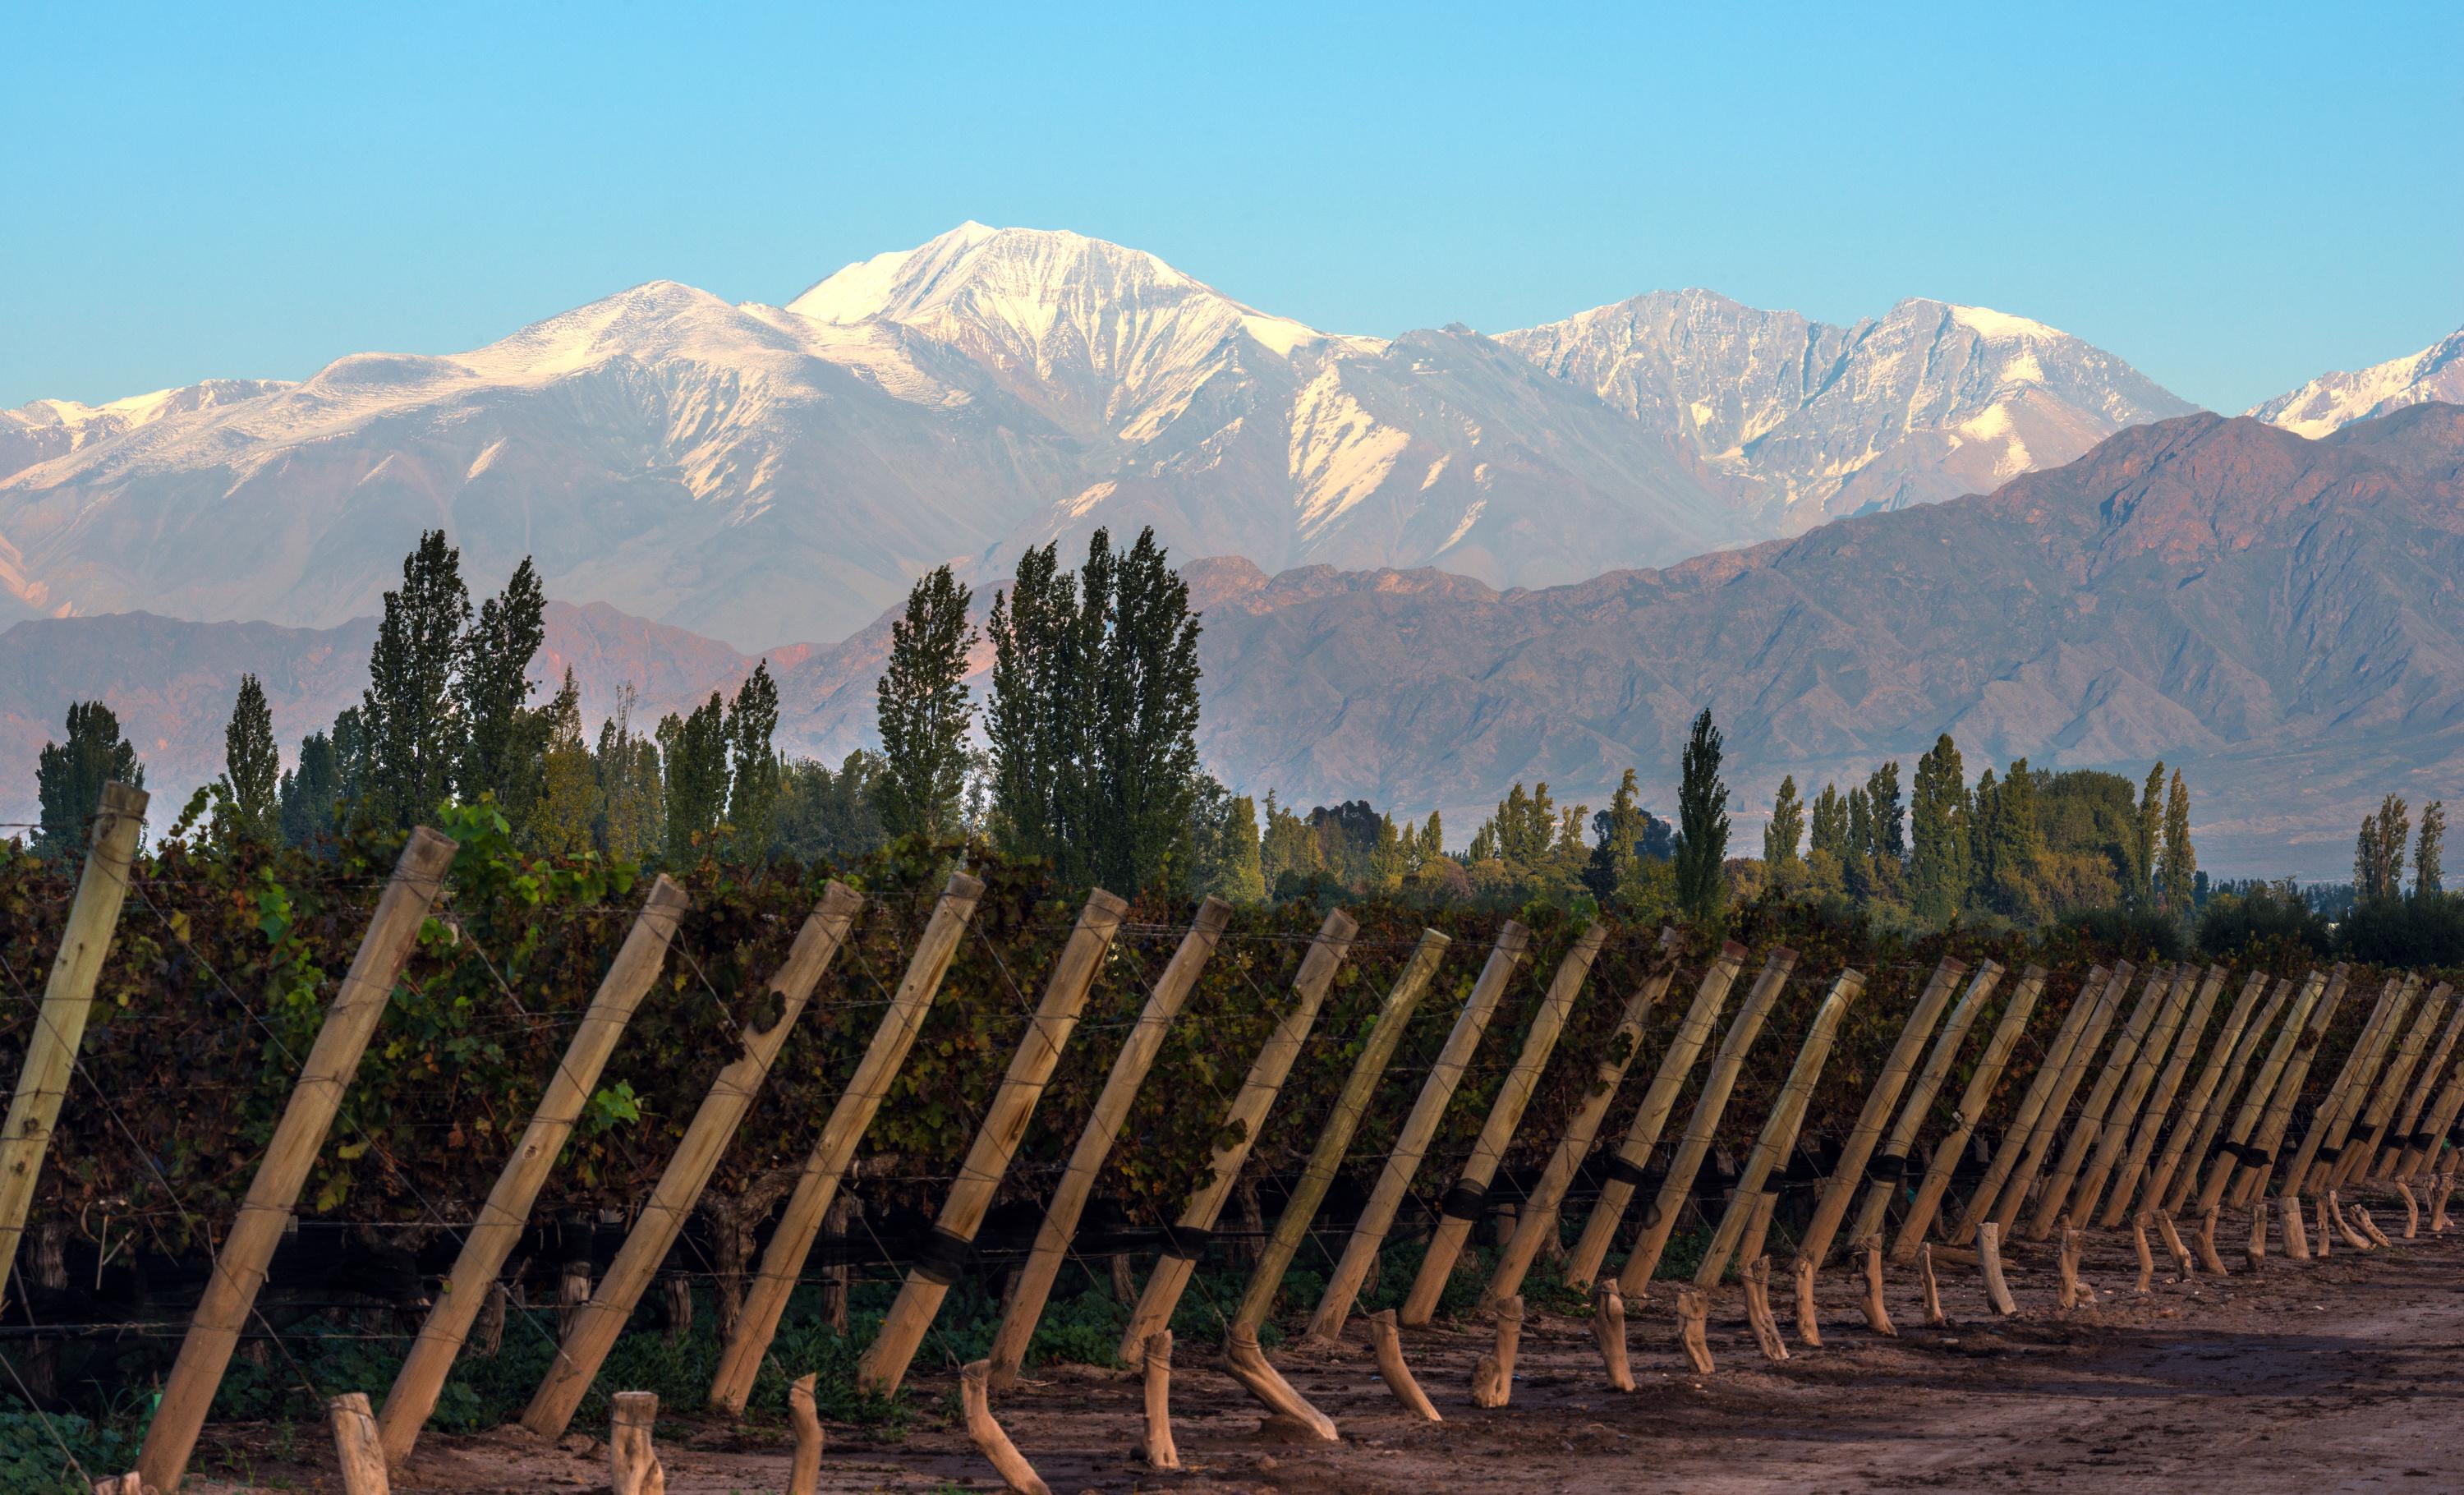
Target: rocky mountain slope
2331 402
761 474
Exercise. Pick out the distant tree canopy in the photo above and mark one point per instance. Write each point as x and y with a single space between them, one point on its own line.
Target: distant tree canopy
68 778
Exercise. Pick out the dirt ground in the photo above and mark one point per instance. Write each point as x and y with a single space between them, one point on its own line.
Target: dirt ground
2325 1376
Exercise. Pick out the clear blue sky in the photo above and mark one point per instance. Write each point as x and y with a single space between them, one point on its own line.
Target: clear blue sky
2232 197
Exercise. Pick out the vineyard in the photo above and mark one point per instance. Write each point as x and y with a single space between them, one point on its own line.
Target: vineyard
439 1141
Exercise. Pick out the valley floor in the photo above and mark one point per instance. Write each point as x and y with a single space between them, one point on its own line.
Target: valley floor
2324 1376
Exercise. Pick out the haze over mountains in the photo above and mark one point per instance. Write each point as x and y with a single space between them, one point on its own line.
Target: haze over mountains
767 474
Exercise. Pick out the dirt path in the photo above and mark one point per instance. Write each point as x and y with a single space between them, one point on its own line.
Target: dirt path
2339 1374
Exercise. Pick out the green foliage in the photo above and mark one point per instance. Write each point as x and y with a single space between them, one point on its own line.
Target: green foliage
310 793
753 769
251 768
822 816
1702 826
2261 917
2428 876
923 709
502 742
2378 855
68 778
412 718
692 750
1940 815
1786 831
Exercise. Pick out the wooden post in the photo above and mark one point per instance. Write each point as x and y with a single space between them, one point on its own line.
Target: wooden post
2297 1241
2173 1031
1758 1309
2428 1143
1412 1142
1634 1280
1964 1118
356 1449
492 1238
986 1433
2066 1260
1989 1264
1388 1342
688 1172
2324 1118
239 1266
817 1187
2146 1258
2399 1155
1536 1226
2174 1249
1891 1168
1625 1169
2326 1237
2353 1090
1779 1128
1242 1122
2254 1251
1877 1317
805 1472
2363 1147
2371 1227
1692 1308
1492 1379
2153 998
1033 1283
2158 1111
2203 1112
2441 1189
632 1456
1158 1448
1607 1332
1934 1317
1463 1202
68 997
2411 1210
2033 1125
1248 1364
2345 1226
2206 1241
885 1361
1839 1190
2252 1116
1300 1209
1809 1325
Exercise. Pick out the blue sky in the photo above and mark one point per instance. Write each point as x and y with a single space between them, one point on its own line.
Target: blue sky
2233 198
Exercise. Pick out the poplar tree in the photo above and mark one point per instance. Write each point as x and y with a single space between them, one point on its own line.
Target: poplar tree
310 793
251 781
2147 834
632 798
753 764
68 778
2426 875
410 715
1787 825
504 742
1619 830
562 819
1146 736
1939 815
2178 871
1830 823
1702 825
924 710
693 750
1033 719
2378 856
1890 838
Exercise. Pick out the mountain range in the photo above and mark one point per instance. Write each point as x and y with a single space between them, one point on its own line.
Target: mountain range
2276 615
766 473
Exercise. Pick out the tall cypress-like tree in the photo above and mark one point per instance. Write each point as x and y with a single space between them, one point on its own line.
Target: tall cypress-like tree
1034 715
2429 877
2146 838
563 818
1890 820
924 711
504 742
2178 871
68 778
311 792
1830 823
410 713
632 794
1939 815
1615 853
1702 825
693 751
752 792
251 781
1787 828
1146 736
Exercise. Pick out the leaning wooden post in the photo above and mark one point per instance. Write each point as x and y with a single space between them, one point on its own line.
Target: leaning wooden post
1607 1332
2322 1147
885 1361
1188 1237
1878 1316
1808 1320
239 1265
2153 998
1464 1201
1492 1379
2203 1114
1891 1167
1779 1128
632 1456
2066 1260
1989 1264
2274 1125
356 1449
1634 1279
1032 1284
1536 1224
2183 1261
1625 1169
1158 1447
1692 1308
805 1472
1758 1309
1934 1316
2154 1116
1964 1118
2206 1241
1334 1135
2256 1251
817 1186
2401 1154
2113 1137
2326 1118
2228 1154
1248 1364
2146 1258
2433 1137
2033 1124
2362 1146
1388 1342
507 1210
595 1329
2296 1240
68 997
1412 1142
986 1433
1839 1190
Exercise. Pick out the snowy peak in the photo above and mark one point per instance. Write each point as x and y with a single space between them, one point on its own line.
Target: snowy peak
2333 401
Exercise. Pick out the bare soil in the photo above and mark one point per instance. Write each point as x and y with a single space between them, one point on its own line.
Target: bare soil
2320 1375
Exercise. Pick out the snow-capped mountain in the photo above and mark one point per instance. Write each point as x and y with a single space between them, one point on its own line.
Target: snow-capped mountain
2336 400
1811 421
761 473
